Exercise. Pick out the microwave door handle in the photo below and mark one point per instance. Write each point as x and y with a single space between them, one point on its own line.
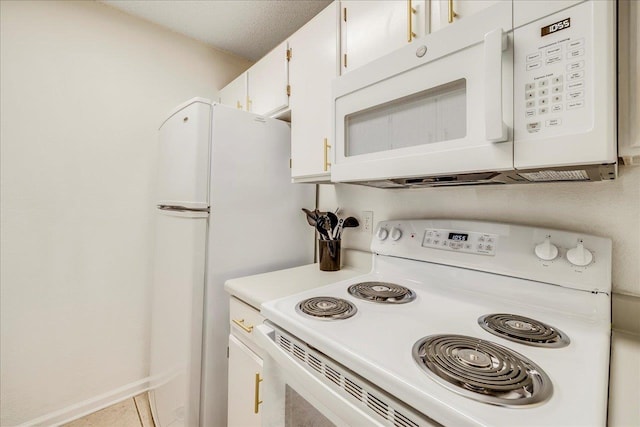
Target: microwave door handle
495 42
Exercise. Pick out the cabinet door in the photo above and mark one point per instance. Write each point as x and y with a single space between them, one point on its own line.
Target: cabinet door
445 12
235 93
267 83
628 82
371 29
313 65
245 376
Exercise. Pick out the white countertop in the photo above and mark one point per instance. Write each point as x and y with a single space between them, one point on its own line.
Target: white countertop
259 288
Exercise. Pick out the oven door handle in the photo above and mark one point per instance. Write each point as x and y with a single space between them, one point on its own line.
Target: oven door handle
494 43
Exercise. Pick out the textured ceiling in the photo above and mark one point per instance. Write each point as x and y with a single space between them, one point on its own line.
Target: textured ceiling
249 29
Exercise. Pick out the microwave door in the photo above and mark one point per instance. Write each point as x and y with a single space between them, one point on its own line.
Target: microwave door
448 111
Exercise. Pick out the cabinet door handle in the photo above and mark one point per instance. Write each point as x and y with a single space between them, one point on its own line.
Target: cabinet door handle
249 102
238 105
410 11
256 396
244 327
326 155
452 13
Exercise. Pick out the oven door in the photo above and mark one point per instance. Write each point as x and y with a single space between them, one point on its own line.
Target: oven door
303 387
440 106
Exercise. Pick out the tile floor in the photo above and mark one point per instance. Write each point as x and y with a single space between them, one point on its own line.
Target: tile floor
133 412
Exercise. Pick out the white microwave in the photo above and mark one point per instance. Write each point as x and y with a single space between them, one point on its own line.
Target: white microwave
524 91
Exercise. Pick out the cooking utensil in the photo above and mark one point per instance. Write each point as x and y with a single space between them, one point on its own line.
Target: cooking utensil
348 222
321 225
312 216
333 218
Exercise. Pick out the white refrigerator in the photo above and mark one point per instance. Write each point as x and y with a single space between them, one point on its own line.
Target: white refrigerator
226 208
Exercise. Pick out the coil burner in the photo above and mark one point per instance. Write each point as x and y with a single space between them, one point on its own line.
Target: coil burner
523 330
482 370
326 308
382 292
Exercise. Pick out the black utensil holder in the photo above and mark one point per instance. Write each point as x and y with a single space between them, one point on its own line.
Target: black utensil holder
329 254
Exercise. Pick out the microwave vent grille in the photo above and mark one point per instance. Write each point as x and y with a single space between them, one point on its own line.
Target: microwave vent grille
351 385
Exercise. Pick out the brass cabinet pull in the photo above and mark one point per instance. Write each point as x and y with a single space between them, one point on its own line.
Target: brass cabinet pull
452 13
249 102
410 11
244 327
256 396
238 105
326 156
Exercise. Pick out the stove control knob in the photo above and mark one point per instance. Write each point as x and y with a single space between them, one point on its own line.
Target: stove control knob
580 256
396 233
382 233
546 250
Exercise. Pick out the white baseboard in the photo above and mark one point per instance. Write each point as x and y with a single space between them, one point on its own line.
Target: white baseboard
89 406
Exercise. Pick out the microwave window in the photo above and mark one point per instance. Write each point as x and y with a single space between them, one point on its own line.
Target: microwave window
435 115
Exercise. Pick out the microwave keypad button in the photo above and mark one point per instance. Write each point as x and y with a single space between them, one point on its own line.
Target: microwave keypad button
554 50
575 53
556 80
530 95
530 86
531 104
575 75
533 127
534 65
543 92
575 95
553 59
557 89
575 66
575 104
554 122
543 101
543 110
543 83
575 44
575 85
530 113
556 108
556 98
533 56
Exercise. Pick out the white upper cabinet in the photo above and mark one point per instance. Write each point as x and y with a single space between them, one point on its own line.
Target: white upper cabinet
313 65
628 86
445 12
267 82
371 29
235 93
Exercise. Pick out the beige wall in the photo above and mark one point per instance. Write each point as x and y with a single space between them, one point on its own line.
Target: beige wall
84 88
609 209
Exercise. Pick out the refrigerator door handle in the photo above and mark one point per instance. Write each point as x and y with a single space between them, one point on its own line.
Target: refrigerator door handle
175 208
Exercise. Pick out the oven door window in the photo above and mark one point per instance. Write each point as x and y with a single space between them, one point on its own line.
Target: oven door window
434 115
299 412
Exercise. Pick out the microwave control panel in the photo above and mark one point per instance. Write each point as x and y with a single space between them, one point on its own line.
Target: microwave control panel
552 75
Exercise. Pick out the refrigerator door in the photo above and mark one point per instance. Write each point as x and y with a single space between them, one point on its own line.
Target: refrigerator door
176 325
183 174
256 226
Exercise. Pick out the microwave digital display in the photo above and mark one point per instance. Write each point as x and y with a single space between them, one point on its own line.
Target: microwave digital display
458 237
555 27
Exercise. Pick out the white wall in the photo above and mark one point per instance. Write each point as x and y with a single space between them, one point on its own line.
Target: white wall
84 88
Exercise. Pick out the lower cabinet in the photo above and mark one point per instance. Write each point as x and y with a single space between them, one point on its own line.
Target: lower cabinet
245 377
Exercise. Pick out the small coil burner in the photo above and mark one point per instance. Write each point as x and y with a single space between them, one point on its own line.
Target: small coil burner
326 308
482 370
523 330
382 292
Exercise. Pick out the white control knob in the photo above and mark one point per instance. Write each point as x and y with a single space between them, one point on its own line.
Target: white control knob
396 233
382 233
546 250
580 255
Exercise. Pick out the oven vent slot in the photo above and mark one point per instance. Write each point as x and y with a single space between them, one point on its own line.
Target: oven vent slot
400 420
353 386
353 389
378 405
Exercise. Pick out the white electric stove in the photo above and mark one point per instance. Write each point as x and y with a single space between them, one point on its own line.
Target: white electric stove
458 323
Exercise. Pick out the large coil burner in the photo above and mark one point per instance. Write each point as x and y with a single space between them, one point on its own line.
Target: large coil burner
326 308
523 330
382 292
482 370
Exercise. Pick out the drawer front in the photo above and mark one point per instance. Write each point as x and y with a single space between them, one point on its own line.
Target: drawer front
243 319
